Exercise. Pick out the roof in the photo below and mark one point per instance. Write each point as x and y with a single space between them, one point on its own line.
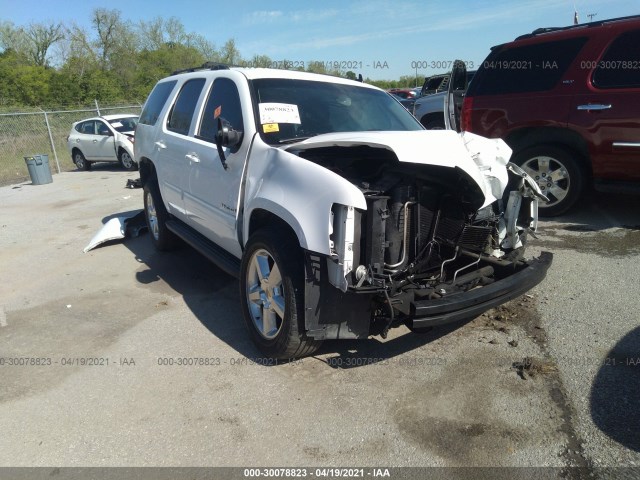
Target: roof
544 30
257 73
118 115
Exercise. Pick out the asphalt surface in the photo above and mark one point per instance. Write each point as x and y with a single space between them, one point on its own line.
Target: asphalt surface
93 350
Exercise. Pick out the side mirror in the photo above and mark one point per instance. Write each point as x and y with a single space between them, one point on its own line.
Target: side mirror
226 136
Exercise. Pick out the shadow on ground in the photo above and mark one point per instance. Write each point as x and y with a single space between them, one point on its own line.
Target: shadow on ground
599 211
615 393
213 298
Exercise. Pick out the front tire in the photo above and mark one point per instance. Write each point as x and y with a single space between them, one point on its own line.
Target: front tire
126 161
559 174
272 293
81 162
157 216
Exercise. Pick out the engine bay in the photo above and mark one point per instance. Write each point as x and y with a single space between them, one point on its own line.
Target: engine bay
423 235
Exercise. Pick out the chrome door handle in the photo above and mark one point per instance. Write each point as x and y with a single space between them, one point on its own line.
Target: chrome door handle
192 157
594 106
95 141
161 145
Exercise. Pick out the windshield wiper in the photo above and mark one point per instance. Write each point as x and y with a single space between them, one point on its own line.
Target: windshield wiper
295 139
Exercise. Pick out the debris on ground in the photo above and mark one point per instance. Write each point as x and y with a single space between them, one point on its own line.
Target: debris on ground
118 228
530 367
137 183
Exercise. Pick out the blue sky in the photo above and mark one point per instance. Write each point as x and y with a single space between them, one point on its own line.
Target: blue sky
381 38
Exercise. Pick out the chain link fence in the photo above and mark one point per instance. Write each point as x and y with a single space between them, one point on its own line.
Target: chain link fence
25 134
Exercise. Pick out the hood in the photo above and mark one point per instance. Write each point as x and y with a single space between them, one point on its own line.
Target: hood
481 159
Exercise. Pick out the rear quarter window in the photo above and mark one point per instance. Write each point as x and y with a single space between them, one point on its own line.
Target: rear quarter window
529 68
155 102
619 67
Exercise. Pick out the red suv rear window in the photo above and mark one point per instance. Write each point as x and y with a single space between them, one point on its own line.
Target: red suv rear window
529 68
620 65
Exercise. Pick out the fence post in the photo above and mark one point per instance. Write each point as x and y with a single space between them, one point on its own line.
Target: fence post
53 147
97 107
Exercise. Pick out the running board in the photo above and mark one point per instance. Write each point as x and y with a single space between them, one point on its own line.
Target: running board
224 260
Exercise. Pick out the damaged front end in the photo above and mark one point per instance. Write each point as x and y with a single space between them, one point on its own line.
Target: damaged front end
436 244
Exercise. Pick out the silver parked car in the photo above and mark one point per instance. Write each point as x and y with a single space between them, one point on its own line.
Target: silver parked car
103 139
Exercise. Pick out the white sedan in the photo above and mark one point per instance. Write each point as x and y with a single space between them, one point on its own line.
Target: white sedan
103 139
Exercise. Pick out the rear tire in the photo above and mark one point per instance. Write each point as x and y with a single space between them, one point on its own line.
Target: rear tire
558 172
157 216
272 293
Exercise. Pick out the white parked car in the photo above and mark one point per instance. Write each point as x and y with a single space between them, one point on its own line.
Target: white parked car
341 216
103 139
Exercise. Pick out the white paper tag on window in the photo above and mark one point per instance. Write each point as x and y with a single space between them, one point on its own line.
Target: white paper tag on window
116 124
279 113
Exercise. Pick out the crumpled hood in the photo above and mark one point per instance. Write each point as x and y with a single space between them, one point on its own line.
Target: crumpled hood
482 159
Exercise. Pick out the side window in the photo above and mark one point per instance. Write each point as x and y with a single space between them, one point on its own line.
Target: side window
223 101
620 65
103 129
155 102
530 68
88 128
182 112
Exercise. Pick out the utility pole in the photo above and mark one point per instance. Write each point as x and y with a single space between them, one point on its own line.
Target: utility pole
591 15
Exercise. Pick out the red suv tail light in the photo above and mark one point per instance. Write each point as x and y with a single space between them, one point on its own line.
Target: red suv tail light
465 115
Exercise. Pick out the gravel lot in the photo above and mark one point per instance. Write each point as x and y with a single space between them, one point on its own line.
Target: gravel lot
448 398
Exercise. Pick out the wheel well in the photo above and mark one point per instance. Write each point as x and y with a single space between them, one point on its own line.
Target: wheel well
74 150
263 218
147 170
558 137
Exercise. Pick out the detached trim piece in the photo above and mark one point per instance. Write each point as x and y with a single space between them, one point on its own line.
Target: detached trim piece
468 305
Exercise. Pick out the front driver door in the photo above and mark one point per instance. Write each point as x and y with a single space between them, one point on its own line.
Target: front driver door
212 193
104 143
455 95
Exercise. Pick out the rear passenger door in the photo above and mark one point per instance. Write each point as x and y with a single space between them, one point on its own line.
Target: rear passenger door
609 111
174 145
212 193
86 139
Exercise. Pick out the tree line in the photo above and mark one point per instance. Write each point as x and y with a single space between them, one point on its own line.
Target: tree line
113 61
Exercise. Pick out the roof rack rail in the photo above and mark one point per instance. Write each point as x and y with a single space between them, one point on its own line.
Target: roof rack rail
540 31
204 66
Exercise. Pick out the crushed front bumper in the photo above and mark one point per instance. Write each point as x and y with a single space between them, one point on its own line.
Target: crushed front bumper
468 305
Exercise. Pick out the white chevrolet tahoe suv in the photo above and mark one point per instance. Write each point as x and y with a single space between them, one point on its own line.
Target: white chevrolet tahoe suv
340 215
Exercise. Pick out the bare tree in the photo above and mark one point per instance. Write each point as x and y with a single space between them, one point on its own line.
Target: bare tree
41 36
13 38
204 46
152 34
108 25
230 53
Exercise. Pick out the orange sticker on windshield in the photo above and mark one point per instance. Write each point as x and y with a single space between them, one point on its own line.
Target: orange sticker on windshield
270 127
217 111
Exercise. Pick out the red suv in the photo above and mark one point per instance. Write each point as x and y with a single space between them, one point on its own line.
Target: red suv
567 101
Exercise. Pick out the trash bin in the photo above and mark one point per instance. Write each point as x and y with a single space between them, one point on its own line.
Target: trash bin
39 172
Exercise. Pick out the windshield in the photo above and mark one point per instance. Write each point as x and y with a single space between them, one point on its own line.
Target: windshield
124 124
290 110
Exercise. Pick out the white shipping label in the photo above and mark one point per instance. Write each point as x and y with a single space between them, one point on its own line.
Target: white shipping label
279 113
